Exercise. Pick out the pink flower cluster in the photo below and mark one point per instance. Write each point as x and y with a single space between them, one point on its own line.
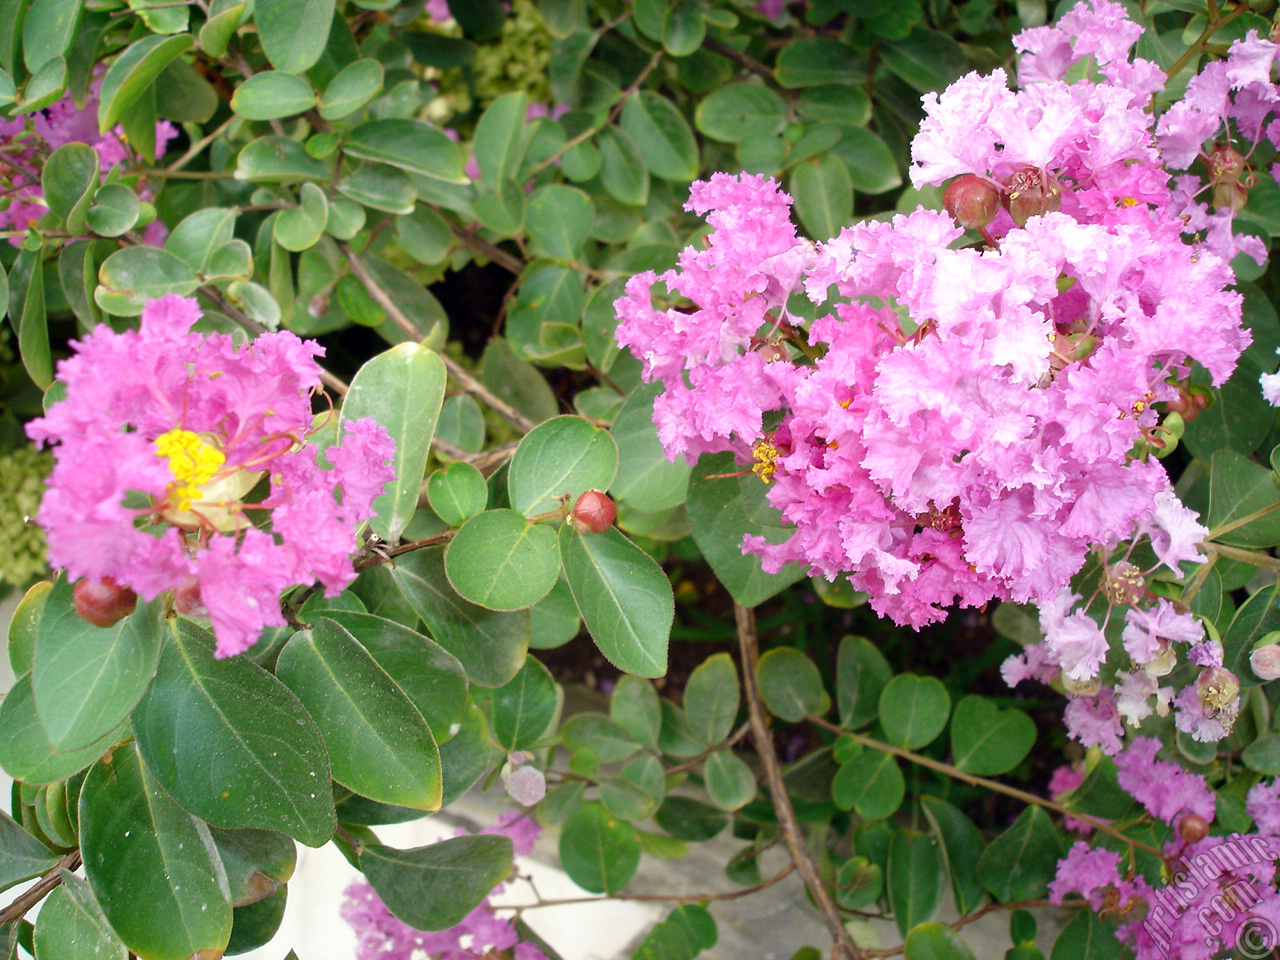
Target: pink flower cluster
61 123
480 935
161 440
1217 887
967 423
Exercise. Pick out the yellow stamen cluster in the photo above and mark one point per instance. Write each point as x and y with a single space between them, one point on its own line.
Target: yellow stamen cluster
1128 201
766 464
192 462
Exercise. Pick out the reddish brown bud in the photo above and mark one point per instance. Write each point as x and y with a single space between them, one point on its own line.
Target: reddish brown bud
972 201
186 600
593 513
1193 828
1031 193
103 602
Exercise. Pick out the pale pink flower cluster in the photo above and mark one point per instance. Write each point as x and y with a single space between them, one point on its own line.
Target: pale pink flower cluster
162 437
1218 887
963 426
481 934
61 123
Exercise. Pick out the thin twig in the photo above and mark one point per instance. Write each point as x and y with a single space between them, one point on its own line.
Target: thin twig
490 250
738 734
745 619
486 461
465 379
994 785
664 897
39 890
738 57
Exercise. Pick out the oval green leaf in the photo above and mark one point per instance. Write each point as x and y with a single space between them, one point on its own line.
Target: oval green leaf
913 710
565 456
457 492
355 85
410 145
598 851
294 33
524 706
133 275
436 886
791 684
987 740
272 94
501 561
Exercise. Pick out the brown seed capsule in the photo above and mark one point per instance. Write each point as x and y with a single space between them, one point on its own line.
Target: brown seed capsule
1031 193
186 600
972 201
1193 828
103 602
593 513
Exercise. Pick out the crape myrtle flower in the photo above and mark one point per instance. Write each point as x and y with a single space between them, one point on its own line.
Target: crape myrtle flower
181 464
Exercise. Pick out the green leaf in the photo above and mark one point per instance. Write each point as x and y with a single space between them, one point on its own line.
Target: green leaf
646 479
25 752
914 879
279 160
622 169
379 744
86 679
293 33
300 228
1087 937
607 740
491 646
72 926
402 389
554 618
69 179
256 862
961 845
254 925
1238 487
913 710
565 456
711 699
868 160
1263 755
933 941
467 755
47 30
624 597
232 744
22 856
523 707
184 95
1257 616
634 706
380 188
431 677
133 275
812 61
666 941
115 210
218 30
33 325
1019 863
927 60
411 145
987 740
457 492
133 73
835 103
861 675
599 852
791 685
24 625
436 886
559 220
502 561
697 923
199 235
425 236
517 382
354 86
823 196
870 784
501 138
636 792
741 111
272 94
730 782
662 135
153 867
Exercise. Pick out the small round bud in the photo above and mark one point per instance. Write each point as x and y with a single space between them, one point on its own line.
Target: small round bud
1265 658
186 600
103 602
593 513
1193 828
972 201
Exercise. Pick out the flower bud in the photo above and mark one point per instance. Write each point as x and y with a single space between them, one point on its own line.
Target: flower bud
972 201
1193 828
1031 193
1265 658
103 602
186 600
593 513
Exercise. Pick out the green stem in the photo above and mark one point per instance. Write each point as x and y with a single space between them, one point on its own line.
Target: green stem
1213 26
1244 521
1251 557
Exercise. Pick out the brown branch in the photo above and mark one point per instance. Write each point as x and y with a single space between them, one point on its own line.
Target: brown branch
39 890
468 383
490 250
745 619
738 57
486 461
665 898
994 785
738 734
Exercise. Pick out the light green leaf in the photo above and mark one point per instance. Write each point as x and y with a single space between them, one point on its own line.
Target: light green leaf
133 275
294 33
598 851
199 235
355 85
913 710
871 784
741 111
272 94
68 180
457 492
502 561
281 160
115 210
133 72
730 782
823 195
300 228
48 30
559 220
22 856
791 685
72 926
565 456
646 479
1019 863
502 138
524 706
861 674
711 699
661 133
410 145
933 941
